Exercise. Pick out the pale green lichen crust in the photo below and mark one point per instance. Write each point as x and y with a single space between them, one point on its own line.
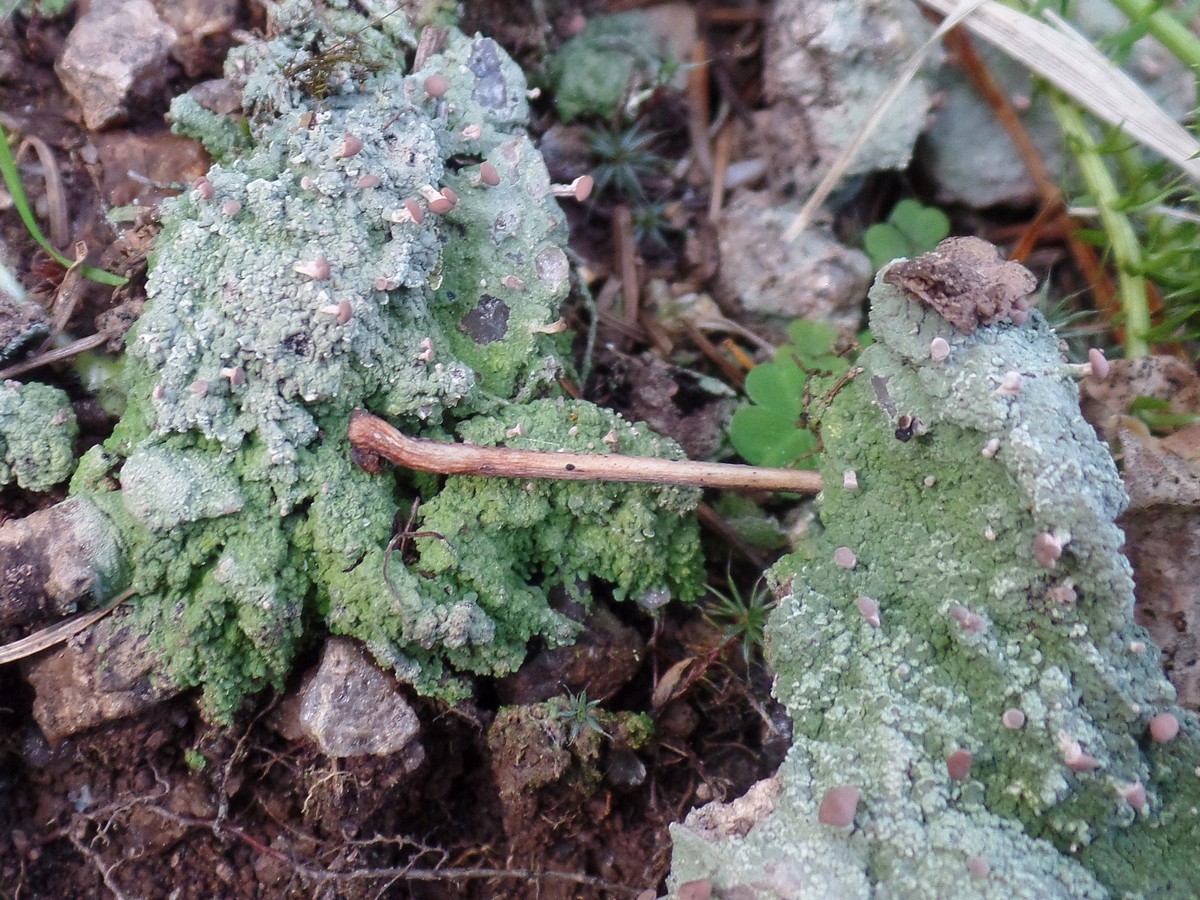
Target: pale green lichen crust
37 435
490 549
986 548
355 256
593 72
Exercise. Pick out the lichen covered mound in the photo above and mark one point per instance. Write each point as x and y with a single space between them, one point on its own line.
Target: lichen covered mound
490 548
355 256
391 245
37 435
958 646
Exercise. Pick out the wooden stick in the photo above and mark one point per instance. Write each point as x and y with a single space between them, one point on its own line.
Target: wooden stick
698 105
720 168
372 434
91 342
626 251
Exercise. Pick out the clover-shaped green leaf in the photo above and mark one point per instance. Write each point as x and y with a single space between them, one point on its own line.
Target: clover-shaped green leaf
764 437
778 386
773 431
811 341
911 229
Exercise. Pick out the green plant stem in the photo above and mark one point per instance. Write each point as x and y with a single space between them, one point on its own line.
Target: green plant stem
12 180
1127 254
1169 31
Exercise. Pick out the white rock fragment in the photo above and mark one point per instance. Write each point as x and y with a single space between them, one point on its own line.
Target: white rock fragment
352 708
115 58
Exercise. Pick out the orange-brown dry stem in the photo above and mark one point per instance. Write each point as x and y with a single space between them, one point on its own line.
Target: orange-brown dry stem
373 435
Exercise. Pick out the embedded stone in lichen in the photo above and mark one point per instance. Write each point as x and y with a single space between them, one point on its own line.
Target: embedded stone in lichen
487 321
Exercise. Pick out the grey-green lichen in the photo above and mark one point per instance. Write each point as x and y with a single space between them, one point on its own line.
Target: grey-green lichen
985 549
599 68
37 435
357 256
490 549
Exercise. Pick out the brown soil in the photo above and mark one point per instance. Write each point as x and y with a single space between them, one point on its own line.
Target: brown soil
163 805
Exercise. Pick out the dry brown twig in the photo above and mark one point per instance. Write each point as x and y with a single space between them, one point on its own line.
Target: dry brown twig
698 103
67 297
58 354
57 634
721 158
626 249
734 375
373 435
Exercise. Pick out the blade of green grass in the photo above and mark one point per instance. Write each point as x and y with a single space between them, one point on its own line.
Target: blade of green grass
1127 254
12 180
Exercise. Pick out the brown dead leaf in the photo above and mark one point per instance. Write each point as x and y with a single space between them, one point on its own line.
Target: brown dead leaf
968 282
665 690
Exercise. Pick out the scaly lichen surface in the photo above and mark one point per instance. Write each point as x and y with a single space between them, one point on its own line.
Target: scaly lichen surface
354 256
984 548
491 547
37 435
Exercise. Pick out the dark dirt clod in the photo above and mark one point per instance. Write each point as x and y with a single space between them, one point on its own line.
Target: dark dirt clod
967 281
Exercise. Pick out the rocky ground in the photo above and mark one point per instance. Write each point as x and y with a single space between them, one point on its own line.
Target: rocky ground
561 780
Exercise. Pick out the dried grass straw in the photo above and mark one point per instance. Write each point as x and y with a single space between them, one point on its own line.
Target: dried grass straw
1052 50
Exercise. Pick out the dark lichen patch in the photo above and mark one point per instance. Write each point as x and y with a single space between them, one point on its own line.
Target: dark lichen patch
490 90
487 321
